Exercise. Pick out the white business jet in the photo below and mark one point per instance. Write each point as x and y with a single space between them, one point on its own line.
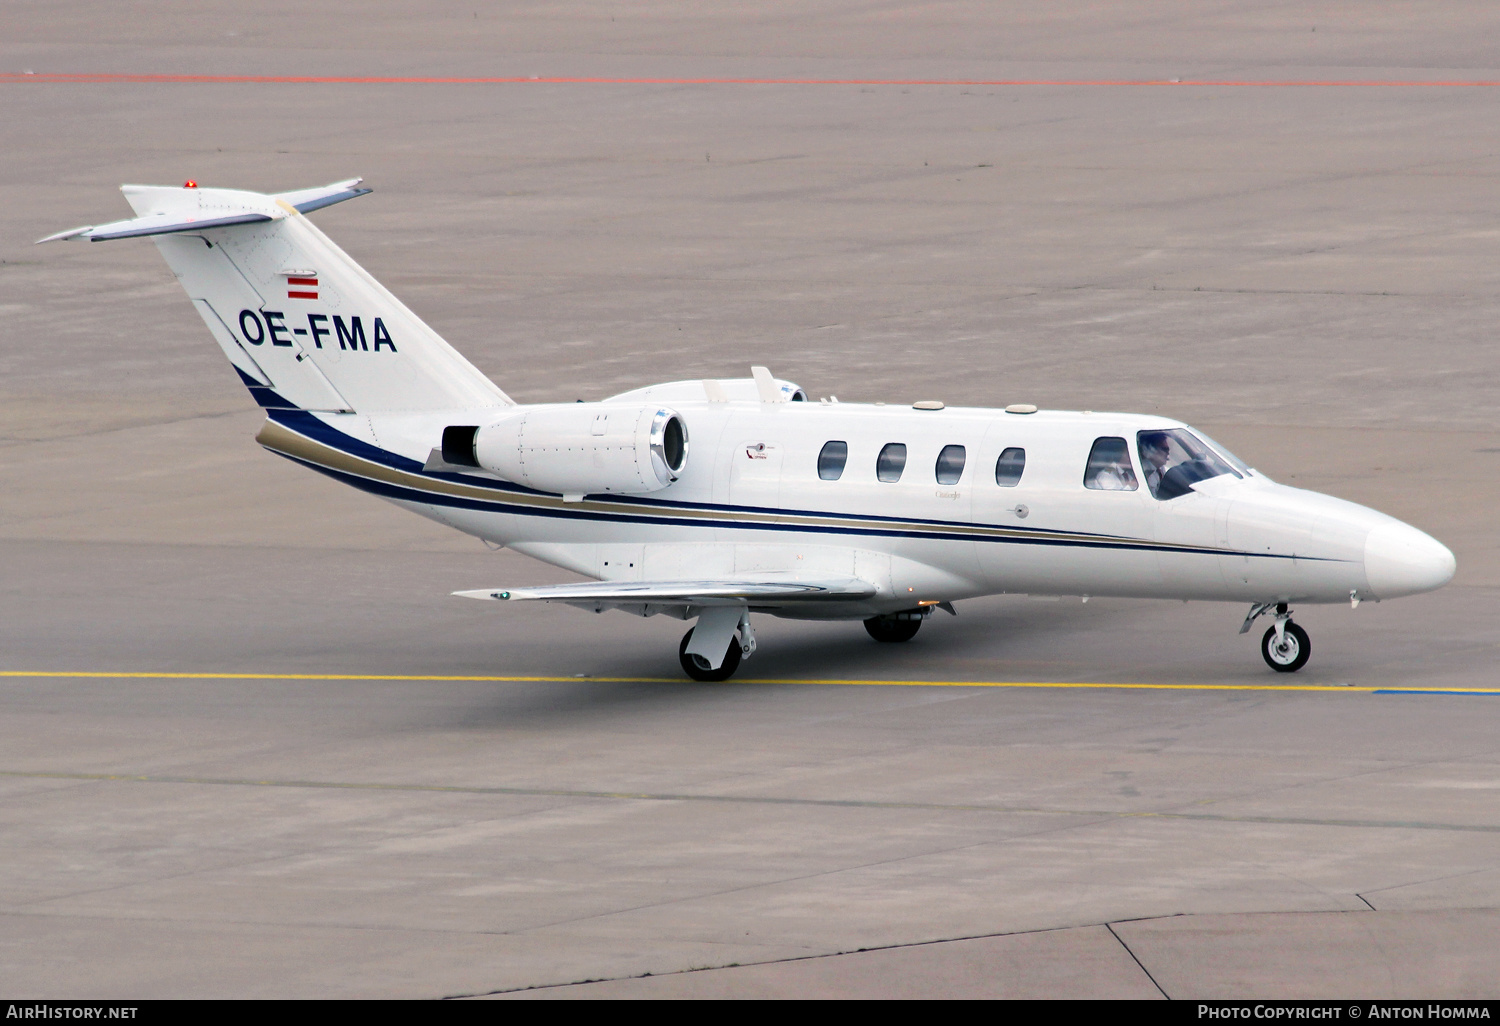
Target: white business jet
712 500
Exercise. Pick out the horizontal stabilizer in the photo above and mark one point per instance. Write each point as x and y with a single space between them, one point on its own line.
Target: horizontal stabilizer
768 590
168 211
308 200
154 224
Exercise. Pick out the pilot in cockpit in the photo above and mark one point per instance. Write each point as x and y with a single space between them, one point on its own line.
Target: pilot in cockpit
1156 458
1175 460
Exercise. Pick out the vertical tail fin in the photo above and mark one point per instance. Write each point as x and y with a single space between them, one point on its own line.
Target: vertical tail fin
304 325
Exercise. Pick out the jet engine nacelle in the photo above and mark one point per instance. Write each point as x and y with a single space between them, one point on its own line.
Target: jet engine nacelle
586 448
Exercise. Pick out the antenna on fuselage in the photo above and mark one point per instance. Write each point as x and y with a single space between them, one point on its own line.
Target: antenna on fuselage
766 385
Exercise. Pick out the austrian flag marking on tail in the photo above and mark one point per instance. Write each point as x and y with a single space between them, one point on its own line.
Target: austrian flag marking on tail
301 288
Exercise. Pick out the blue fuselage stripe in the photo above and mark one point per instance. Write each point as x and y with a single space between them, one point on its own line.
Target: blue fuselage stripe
314 429
406 494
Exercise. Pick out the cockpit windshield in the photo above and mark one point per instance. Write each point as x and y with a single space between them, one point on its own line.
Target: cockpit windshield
1176 459
1233 460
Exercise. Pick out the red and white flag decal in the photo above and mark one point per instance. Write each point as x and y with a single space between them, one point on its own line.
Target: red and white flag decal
302 288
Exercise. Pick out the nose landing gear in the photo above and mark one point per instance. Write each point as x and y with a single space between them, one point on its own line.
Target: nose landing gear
1285 646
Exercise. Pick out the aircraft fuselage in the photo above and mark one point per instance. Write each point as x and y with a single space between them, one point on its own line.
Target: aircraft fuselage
750 498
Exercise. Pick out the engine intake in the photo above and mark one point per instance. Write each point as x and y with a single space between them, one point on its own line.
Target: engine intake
584 448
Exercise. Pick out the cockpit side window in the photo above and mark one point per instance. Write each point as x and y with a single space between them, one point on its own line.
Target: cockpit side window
831 460
950 465
890 462
1009 467
1109 468
1174 459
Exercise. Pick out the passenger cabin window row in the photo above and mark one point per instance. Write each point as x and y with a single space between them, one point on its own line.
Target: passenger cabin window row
891 463
1173 461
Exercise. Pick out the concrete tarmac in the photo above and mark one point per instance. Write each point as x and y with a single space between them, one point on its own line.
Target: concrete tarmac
319 780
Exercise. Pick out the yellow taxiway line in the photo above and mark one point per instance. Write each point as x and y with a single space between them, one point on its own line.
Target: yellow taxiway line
583 679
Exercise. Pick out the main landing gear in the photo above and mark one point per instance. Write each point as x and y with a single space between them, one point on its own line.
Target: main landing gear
1285 645
721 622
699 668
733 626
895 627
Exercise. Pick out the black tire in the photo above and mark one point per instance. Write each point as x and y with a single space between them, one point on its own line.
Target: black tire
696 667
888 629
1292 655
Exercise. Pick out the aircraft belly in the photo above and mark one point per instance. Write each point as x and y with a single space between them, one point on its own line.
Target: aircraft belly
1192 531
935 571
665 562
1093 544
1112 571
619 561
875 567
827 611
808 558
491 526
1286 551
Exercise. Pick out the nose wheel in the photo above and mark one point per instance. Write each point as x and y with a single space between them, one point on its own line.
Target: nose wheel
1285 647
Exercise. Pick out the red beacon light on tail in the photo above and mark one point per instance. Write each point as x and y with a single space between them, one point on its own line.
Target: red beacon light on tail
190 184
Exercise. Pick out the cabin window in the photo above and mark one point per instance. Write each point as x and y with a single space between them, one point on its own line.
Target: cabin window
1009 467
1109 467
1174 460
950 465
890 462
831 460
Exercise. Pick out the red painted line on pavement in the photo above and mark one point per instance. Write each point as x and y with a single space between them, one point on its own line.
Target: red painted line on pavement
78 77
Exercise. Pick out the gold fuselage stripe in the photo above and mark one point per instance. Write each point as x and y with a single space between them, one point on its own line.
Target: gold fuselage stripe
281 439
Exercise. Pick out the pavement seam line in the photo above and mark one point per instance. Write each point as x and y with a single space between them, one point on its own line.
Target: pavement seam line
791 958
647 796
1426 880
1111 928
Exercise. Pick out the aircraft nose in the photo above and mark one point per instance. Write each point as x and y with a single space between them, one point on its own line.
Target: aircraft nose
1401 560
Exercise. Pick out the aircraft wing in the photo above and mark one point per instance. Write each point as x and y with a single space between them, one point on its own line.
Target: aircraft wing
769 590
